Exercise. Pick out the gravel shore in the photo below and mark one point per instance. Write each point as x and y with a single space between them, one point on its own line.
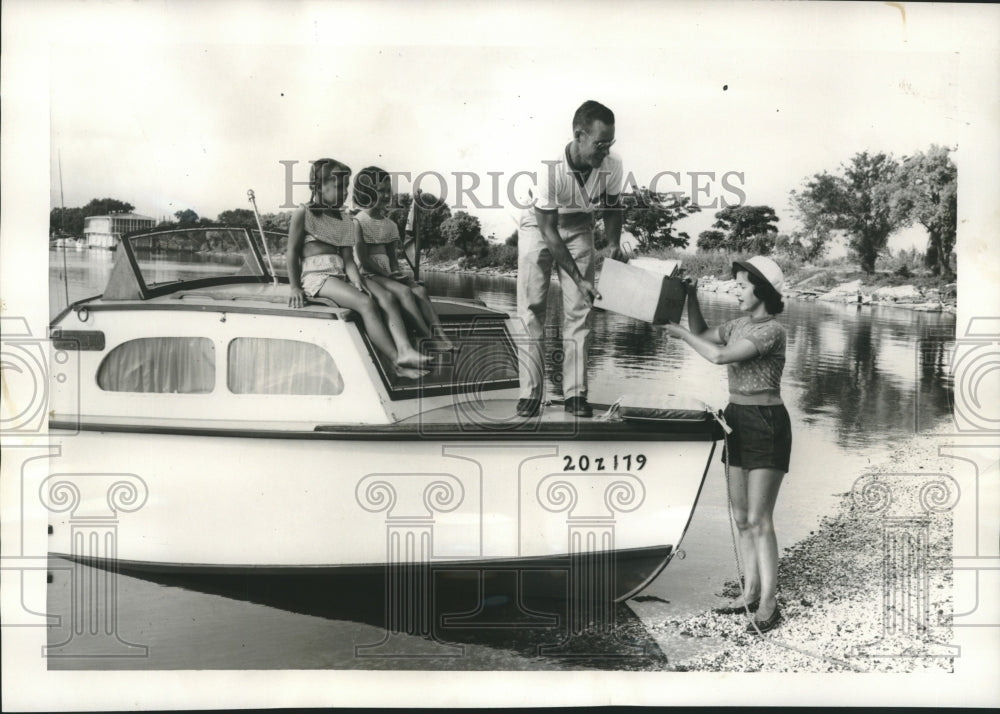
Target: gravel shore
831 585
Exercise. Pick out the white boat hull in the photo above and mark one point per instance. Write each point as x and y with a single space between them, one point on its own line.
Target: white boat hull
197 502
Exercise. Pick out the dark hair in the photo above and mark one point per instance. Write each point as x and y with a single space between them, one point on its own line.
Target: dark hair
316 172
366 185
591 111
763 291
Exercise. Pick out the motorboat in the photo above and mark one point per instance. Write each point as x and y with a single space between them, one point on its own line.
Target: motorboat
205 427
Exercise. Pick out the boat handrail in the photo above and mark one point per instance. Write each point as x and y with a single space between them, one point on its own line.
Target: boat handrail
185 295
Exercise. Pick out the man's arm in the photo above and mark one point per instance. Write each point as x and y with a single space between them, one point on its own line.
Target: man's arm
548 224
624 244
613 222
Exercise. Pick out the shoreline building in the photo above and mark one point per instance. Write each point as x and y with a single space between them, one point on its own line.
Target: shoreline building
106 231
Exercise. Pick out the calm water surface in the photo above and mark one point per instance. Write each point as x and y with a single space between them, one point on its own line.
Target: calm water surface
856 380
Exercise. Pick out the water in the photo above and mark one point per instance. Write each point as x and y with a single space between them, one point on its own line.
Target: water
856 381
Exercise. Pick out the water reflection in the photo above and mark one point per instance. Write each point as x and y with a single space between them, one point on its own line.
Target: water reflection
866 374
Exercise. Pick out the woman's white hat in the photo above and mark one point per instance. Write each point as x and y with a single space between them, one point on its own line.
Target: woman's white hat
763 268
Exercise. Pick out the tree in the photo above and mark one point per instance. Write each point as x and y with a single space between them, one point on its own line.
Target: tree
276 221
747 228
69 220
817 226
106 206
465 233
711 240
242 217
511 239
651 216
859 203
186 217
927 193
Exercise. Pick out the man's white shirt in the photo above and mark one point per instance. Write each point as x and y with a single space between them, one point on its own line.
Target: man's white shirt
557 188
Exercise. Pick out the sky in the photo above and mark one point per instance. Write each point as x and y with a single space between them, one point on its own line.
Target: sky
178 124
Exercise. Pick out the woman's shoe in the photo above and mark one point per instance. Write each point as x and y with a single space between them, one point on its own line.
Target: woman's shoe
737 609
767 625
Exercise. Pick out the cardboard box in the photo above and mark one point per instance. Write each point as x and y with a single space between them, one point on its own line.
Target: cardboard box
644 289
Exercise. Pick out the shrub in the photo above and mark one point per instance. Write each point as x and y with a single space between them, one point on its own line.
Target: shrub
444 254
502 257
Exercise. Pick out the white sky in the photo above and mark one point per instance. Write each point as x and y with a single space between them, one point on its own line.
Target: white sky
169 125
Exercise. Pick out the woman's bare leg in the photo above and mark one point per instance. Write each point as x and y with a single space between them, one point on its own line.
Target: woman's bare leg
762 492
738 496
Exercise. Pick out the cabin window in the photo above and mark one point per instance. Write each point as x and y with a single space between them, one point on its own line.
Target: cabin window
261 365
162 365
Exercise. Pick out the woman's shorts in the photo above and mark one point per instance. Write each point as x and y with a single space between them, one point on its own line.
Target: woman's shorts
761 438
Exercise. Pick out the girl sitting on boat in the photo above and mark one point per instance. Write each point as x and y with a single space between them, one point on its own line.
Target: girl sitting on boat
321 263
758 450
376 244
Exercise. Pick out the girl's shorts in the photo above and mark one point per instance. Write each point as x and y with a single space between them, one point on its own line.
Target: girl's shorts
761 438
317 268
382 261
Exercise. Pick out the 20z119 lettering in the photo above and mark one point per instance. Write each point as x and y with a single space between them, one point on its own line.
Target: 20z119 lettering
585 462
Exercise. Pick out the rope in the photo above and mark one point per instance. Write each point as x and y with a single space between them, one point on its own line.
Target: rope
739 569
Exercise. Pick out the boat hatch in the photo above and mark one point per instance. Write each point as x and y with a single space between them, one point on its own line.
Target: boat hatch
161 262
484 359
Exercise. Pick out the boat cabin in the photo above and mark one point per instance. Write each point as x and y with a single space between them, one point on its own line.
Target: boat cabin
197 321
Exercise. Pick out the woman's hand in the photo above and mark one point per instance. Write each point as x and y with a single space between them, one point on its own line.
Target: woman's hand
690 286
296 297
359 285
674 329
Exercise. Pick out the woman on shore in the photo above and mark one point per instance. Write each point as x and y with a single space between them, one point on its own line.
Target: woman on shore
758 450
321 262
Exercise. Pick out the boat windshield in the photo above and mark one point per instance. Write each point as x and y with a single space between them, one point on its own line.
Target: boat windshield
184 255
277 244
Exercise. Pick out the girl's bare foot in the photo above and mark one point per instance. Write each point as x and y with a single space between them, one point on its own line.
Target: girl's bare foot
412 358
410 372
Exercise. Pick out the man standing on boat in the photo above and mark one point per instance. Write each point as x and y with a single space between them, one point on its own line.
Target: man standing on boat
558 231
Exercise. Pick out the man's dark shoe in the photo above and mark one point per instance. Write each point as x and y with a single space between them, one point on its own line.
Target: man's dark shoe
577 406
528 407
